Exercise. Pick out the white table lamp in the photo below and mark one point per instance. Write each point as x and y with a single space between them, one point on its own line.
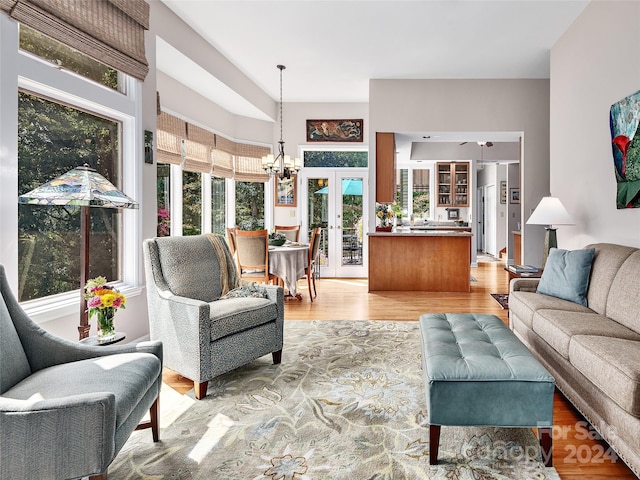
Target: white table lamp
549 212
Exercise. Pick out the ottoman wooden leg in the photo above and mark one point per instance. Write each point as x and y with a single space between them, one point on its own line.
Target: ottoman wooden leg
434 443
546 446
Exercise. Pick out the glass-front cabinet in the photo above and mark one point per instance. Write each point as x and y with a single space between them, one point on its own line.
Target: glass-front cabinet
453 184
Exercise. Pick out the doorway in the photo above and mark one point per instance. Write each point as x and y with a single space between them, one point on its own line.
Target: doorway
336 201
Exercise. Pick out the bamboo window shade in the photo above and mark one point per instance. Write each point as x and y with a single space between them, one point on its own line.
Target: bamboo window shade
223 157
198 147
109 31
171 131
248 163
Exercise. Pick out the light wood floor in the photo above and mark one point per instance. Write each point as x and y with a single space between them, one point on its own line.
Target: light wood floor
575 455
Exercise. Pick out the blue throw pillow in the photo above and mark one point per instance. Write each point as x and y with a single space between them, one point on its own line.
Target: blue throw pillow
566 274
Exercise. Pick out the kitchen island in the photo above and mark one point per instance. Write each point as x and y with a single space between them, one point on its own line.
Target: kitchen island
420 260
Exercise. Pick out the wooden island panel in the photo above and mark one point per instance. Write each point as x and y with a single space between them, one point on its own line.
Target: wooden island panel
429 263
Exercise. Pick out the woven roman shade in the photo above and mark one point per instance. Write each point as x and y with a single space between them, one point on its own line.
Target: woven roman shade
109 31
223 157
171 131
198 148
248 163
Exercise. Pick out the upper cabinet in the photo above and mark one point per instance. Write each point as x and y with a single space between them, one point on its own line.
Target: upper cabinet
385 167
453 184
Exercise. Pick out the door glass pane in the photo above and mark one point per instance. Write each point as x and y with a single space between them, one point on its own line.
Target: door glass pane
318 212
52 139
217 205
356 159
351 221
191 203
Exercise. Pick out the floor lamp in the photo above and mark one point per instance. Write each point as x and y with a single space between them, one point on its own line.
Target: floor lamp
549 212
85 188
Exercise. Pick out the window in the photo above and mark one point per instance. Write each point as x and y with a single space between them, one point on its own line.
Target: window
218 220
163 186
250 205
421 192
52 139
66 57
336 159
191 203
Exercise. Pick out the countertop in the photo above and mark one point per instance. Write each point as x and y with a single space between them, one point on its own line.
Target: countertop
431 232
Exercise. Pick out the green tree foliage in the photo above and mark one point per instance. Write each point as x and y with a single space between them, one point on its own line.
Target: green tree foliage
250 205
53 139
191 203
331 159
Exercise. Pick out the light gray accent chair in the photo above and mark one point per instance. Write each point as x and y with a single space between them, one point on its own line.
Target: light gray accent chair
205 336
66 409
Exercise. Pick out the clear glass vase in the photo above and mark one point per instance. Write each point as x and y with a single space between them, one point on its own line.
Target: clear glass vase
106 325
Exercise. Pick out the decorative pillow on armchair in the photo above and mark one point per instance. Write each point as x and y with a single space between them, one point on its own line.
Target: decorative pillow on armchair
566 274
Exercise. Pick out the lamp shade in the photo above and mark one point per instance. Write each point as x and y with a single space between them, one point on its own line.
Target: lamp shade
550 211
82 186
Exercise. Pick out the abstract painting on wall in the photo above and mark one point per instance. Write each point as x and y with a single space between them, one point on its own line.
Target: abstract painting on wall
624 118
334 131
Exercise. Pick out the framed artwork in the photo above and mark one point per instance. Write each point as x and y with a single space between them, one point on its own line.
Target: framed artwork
624 122
285 192
514 195
503 192
334 131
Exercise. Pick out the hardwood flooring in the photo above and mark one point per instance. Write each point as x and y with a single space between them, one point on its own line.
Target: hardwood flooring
576 453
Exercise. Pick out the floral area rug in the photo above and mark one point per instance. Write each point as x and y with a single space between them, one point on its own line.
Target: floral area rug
502 299
347 402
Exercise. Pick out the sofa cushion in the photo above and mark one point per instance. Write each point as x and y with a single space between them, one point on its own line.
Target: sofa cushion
622 304
128 376
525 304
233 315
566 274
606 263
611 364
557 327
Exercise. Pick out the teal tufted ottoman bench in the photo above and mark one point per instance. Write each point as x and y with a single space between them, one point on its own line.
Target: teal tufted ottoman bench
477 373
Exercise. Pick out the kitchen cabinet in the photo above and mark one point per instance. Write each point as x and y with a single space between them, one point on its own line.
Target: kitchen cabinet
385 167
452 179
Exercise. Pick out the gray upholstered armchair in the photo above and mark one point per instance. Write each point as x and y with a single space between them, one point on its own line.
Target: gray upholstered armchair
204 336
66 409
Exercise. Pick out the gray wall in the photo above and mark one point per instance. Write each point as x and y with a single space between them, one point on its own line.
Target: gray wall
594 64
473 106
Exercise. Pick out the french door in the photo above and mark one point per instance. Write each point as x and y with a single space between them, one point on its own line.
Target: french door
336 201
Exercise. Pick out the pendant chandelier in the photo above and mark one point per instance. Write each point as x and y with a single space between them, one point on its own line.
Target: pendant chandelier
280 165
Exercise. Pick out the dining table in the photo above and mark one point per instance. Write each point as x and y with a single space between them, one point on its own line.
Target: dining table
288 262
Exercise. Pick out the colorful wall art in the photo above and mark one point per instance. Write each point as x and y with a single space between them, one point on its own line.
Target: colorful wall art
624 118
334 131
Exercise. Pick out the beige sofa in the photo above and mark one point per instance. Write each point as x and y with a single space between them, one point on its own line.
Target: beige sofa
593 352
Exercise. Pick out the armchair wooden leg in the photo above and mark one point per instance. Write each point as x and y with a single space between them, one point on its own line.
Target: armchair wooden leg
434 444
277 357
153 423
102 476
201 389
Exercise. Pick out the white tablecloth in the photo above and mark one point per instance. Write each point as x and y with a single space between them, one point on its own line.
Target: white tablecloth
288 263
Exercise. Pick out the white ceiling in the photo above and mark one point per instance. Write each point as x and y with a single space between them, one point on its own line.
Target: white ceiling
332 48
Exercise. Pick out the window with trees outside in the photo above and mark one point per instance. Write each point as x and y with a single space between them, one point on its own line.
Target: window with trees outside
65 117
250 205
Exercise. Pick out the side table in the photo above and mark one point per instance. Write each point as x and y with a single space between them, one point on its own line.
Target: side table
513 274
93 339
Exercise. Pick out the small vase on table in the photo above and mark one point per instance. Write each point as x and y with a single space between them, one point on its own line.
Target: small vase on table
106 325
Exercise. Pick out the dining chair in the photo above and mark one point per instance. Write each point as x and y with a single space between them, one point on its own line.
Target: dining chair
309 272
252 252
292 232
231 239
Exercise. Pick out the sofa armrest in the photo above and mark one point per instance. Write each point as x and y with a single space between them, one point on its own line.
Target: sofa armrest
74 436
524 285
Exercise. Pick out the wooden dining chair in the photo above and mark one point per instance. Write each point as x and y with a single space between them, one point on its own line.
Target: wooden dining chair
252 252
292 232
309 272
